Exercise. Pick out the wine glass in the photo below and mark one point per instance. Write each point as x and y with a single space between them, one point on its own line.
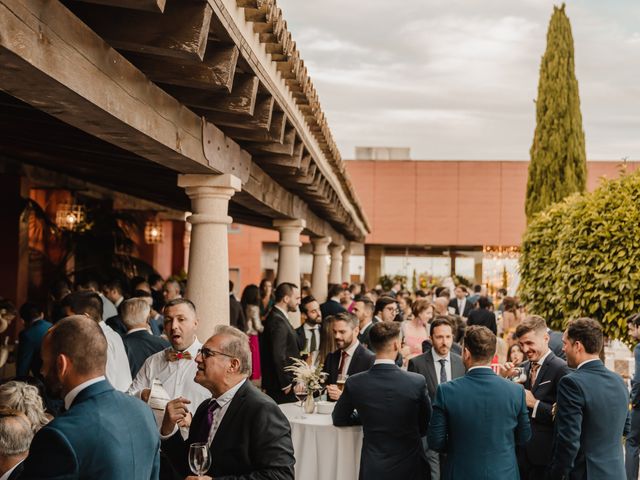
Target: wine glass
301 393
199 458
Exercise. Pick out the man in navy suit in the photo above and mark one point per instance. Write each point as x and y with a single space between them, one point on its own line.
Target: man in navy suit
592 411
28 358
394 409
478 419
104 434
333 306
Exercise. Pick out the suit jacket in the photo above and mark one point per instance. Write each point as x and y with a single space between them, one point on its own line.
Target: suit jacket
103 436
592 418
477 421
468 306
423 364
394 410
363 336
555 344
236 314
330 308
15 475
361 362
538 449
30 340
253 441
141 345
484 317
117 324
278 344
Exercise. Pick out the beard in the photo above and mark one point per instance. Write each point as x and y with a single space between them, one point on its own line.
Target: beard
53 385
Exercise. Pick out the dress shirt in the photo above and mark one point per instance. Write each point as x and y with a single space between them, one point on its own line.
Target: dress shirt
308 331
71 396
436 364
8 473
138 330
461 305
177 377
384 361
118 371
587 361
108 308
539 362
347 360
118 302
480 366
224 401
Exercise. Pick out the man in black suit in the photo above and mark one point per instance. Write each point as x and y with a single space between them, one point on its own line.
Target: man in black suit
247 433
367 398
363 310
279 343
438 365
310 332
592 410
543 372
114 292
483 316
139 343
236 312
350 357
460 303
555 344
333 306
15 437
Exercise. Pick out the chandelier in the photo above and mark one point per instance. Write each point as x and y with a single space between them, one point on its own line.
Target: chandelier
70 216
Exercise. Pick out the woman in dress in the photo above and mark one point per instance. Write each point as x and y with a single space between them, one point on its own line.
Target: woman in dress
266 298
416 330
251 305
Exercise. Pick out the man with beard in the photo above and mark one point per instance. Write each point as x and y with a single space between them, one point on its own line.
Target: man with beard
350 357
104 434
310 332
279 343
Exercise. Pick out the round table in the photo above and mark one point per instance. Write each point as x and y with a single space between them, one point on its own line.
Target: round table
322 451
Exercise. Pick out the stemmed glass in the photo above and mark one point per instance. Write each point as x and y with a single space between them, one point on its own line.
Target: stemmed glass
301 393
199 458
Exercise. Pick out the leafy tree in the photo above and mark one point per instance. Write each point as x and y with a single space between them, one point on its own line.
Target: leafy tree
558 158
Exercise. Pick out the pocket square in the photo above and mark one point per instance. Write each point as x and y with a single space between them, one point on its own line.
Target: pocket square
542 383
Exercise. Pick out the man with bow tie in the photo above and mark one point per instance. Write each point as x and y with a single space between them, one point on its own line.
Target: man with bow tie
309 332
175 367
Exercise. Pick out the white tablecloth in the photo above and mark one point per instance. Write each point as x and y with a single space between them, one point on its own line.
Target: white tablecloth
322 451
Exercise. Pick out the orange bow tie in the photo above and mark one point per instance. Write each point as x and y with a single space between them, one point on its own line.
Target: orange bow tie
174 356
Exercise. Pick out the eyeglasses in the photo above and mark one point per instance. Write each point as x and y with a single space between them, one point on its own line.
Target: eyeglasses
206 353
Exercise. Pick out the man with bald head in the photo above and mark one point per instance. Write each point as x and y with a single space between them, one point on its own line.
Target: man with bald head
104 434
15 437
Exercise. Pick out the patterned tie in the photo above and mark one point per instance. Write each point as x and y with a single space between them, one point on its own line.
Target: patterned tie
203 435
173 355
343 359
443 370
534 373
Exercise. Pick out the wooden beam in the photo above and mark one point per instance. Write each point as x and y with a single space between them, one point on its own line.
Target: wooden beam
261 118
284 148
156 6
180 32
214 74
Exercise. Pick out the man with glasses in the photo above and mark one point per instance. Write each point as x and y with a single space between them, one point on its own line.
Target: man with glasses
247 434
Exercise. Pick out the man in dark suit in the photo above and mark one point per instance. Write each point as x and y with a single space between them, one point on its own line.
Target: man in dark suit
35 327
479 418
483 315
113 291
310 332
104 434
392 446
236 312
632 445
279 343
350 357
438 365
248 435
555 344
15 437
139 343
543 372
363 309
460 303
333 306
592 411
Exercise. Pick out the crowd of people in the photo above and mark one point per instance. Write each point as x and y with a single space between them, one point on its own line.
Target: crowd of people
113 383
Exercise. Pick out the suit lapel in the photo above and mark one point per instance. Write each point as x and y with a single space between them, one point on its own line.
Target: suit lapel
234 407
457 367
431 369
543 369
354 360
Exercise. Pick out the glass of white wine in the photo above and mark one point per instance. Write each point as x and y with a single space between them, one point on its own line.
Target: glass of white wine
199 458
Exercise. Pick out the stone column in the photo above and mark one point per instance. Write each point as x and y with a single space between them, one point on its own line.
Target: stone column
346 264
289 250
335 274
208 282
320 271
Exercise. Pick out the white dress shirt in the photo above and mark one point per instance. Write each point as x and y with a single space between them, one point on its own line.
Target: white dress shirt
224 401
384 361
438 367
347 360
177 377
461 304
308 331
6 474
586 361
71 396
118 371
108 308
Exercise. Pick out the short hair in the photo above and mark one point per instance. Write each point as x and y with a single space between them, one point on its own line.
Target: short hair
172 281
383 302
382 333
25 398
141 294
509 304
440 321
420 305
88 284
444 292
85 303
115 284
532 323
285 289
29 311
237 346
335 290
83 341
502 291
421 294
588 332
368 304
481 343
179 301
484 303
635 319
347 317
134 312
154 278
15 432
230 286
477 288
306 301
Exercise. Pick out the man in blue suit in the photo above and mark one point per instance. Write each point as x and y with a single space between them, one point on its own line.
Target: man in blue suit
478 419
104 434
35 327
394 410
592 411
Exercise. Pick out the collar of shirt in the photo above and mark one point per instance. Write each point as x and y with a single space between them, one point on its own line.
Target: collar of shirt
364 329
384 361
352 348
286 315
437 357
118 302
587 361
137 330
480 366
543 358
71 396
227 396
8 473
335 299
310 328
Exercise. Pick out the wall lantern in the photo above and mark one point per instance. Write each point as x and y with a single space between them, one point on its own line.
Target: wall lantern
153 233
70 216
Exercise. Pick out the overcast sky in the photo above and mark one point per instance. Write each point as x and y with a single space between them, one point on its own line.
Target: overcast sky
456 79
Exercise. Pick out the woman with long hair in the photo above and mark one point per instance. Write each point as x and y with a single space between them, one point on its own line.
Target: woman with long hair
511 317
416 329
251 302
266 298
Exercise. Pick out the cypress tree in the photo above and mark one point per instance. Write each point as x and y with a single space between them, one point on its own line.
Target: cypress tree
558 165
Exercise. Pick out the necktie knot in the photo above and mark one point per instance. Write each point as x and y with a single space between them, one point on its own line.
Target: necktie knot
174 355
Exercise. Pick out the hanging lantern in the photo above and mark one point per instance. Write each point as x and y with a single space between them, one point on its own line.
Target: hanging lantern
70 216
153 232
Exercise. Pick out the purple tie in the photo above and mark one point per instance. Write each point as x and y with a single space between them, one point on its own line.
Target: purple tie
206 426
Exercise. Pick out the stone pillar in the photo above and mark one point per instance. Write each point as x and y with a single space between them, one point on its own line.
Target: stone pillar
289 250
373 264
335 274
320 271
346 264
208 282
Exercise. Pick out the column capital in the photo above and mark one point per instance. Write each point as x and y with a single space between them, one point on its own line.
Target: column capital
320 245
336 250
203 180
289 224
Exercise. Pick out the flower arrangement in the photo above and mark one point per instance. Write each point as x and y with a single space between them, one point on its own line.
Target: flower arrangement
312 377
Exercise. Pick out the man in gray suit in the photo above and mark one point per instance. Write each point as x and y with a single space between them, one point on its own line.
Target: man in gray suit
438 365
